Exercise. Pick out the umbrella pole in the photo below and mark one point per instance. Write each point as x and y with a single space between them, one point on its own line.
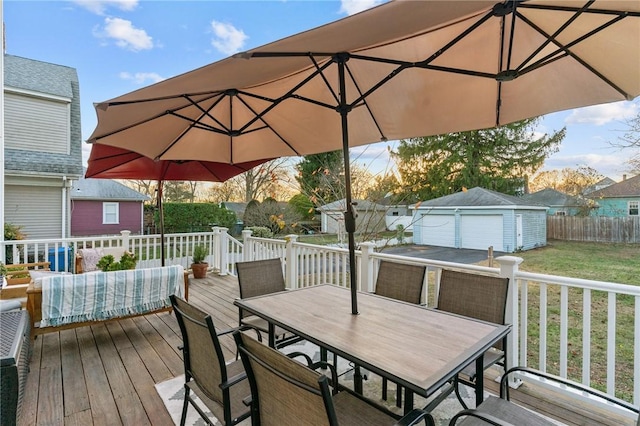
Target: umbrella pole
161 214
349 216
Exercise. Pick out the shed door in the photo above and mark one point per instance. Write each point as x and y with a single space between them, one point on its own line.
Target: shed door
438 230
481 231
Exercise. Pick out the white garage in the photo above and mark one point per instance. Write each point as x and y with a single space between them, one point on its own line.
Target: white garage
482 231
438 230
479 219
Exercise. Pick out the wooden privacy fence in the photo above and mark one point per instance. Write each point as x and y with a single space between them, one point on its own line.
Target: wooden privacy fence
596 229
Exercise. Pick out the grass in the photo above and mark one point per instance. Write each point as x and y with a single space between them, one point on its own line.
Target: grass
602 262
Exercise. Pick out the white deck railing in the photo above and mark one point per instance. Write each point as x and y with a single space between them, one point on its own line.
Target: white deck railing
545 310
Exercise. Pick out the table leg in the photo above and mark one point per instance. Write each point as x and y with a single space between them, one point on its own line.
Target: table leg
357 380
408 400
272 335
479 380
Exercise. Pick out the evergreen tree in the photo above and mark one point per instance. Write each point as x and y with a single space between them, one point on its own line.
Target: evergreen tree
498 159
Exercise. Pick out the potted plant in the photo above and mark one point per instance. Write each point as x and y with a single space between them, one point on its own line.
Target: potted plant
199 266
3 272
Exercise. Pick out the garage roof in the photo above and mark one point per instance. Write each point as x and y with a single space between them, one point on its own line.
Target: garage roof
478 197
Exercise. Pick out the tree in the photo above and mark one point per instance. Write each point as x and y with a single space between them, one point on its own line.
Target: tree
568 180
631 141
279 218
321 176
496 159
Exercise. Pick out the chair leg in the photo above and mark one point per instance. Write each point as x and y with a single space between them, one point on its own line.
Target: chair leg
457 391
185 406
398 396
384 388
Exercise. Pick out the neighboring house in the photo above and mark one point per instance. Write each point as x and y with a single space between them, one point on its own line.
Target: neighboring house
559 203
479 219
601 184
43 153
370 217
619 200
399 215
105 207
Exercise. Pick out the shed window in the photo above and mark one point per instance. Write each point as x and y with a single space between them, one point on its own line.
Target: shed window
110 213
633 208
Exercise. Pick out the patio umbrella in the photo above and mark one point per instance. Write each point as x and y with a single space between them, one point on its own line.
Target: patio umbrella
108 162
400 70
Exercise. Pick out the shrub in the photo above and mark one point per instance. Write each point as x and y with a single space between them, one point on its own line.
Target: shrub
260 231
200 253
107 263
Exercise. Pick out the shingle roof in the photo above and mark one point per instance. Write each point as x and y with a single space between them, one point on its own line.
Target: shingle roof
104 189
42 77
627 188
554 198
476 197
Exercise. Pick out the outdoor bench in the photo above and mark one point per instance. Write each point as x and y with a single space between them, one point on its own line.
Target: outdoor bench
64 301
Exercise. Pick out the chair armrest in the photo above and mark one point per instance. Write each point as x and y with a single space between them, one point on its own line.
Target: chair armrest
241 328
504 388
414 417
233 380
488 418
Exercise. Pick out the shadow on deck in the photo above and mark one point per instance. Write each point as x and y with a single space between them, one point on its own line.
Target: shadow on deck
105 374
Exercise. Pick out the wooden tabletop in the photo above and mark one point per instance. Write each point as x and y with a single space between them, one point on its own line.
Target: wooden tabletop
417 347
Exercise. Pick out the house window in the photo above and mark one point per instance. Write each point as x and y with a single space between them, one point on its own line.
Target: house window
561 213
633 208
110 213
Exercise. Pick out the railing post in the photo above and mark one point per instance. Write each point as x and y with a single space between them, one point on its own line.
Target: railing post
125 240
509 269
247 250
224 251
216 247
366 266
291 262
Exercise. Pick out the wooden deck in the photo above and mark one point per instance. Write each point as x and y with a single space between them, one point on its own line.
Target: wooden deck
105 374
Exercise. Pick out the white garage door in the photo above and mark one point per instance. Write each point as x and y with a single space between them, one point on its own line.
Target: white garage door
481 231
438 230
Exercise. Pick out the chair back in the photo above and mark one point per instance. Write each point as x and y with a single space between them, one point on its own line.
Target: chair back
401 282
259 277
284 391
477 296
203 357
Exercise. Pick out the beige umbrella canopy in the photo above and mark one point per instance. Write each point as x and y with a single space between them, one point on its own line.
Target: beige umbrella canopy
400 70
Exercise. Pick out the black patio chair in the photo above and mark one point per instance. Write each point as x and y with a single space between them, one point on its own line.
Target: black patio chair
502 412
258 278
284 391
476 296
221 387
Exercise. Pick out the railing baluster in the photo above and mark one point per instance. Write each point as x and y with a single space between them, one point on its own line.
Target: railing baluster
586 337
543 328
611 343
564 326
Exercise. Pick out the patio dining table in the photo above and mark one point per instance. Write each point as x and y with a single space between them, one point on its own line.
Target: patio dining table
419 348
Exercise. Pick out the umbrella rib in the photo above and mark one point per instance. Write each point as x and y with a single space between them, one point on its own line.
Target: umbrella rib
364 102
206 112
567 52
552 38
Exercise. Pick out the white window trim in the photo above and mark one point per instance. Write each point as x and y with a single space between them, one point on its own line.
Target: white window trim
105 212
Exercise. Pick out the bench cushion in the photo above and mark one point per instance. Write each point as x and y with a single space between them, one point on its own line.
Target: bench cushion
100 296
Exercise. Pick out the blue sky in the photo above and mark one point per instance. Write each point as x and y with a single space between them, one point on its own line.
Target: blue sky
120 45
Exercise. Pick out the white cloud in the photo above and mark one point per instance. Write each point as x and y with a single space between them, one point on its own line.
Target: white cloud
227 38
100 6
351 7
141 77
125 34
600 115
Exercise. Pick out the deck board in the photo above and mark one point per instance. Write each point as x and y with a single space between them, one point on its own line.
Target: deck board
105 374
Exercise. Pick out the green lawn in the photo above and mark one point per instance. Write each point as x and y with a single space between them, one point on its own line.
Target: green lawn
603 262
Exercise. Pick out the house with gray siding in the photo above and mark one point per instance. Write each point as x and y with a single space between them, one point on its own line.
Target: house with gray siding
559 203
105 207
43 153
370 217
478 219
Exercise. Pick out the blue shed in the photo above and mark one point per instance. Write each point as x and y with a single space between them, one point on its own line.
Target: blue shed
478 219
